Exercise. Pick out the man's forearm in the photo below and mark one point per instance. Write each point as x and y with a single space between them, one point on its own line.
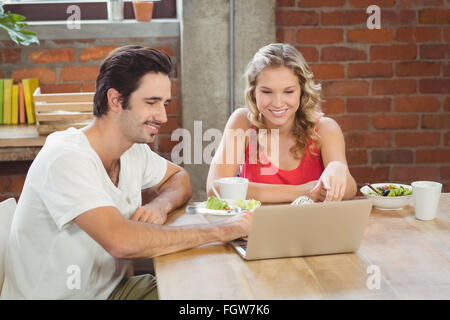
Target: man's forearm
140 240
175 192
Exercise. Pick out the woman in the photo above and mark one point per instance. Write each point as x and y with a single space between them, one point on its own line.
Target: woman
289 149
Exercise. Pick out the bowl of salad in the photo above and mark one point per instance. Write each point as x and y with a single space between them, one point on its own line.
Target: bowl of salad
389 196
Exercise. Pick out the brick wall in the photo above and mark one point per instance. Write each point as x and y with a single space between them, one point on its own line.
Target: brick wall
387 88
72 66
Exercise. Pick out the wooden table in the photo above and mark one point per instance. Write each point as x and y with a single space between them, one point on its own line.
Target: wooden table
412 256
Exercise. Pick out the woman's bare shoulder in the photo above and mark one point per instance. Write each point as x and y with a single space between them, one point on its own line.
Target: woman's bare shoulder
327 125
239 119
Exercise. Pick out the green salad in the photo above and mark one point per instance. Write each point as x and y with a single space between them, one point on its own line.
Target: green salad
391 191
217 204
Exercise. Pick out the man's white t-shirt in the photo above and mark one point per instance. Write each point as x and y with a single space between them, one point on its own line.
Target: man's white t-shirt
48 255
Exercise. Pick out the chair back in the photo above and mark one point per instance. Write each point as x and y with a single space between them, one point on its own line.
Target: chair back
7 209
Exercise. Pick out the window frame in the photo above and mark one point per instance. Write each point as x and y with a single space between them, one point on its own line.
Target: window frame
42 10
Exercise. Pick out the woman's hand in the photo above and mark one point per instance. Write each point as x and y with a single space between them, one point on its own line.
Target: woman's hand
315 194
333 180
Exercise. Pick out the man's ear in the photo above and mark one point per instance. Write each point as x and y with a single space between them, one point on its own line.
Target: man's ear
114 100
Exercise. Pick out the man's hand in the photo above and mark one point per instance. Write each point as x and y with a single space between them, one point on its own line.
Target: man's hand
150 213
236 227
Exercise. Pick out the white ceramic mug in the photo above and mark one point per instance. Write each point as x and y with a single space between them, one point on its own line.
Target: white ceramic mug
232 188
426 195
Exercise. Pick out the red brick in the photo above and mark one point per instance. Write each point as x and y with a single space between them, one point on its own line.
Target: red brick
416 104
60 88
79 73
343 18
393 52
88 87
342 54
45 75
328 71
309 53
415 139
415 173
398 17
170 125
382 87
63 41
418 34
447 104
12 184
417 69
172 108
434 85
320 3
368 104
370 36
441 121
370 174
433 156
366 3
368 140
346 88
12 55
445 186
356 156
319 36
286 35
166 49
285 3
446 70
445 172
434 16
95 53
390 156
393 121
420 3
53 55
174 89
447 139
434 51
165 144
333 106
363 70
296 18
446 31
348 123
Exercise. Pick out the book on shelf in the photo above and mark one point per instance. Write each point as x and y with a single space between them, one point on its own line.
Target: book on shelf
1 101
15 104
7 95
22 115
29 86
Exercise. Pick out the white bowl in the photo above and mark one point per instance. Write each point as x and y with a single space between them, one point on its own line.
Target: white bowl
387 203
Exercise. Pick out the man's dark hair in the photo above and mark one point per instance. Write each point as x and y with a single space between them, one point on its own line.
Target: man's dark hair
123 70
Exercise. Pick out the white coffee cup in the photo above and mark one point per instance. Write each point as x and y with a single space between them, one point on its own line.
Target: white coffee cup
426 195
232 187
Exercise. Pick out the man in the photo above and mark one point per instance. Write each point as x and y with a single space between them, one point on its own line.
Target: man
79 218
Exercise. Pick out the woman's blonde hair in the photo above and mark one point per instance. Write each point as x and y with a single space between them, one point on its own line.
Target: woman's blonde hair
277 55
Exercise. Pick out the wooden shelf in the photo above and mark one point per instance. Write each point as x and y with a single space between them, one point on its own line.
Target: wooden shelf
20 136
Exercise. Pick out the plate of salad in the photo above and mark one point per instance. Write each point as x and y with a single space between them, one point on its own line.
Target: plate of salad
226 205
389 196
222 208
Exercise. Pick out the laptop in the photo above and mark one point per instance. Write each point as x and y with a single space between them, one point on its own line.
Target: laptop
279 231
